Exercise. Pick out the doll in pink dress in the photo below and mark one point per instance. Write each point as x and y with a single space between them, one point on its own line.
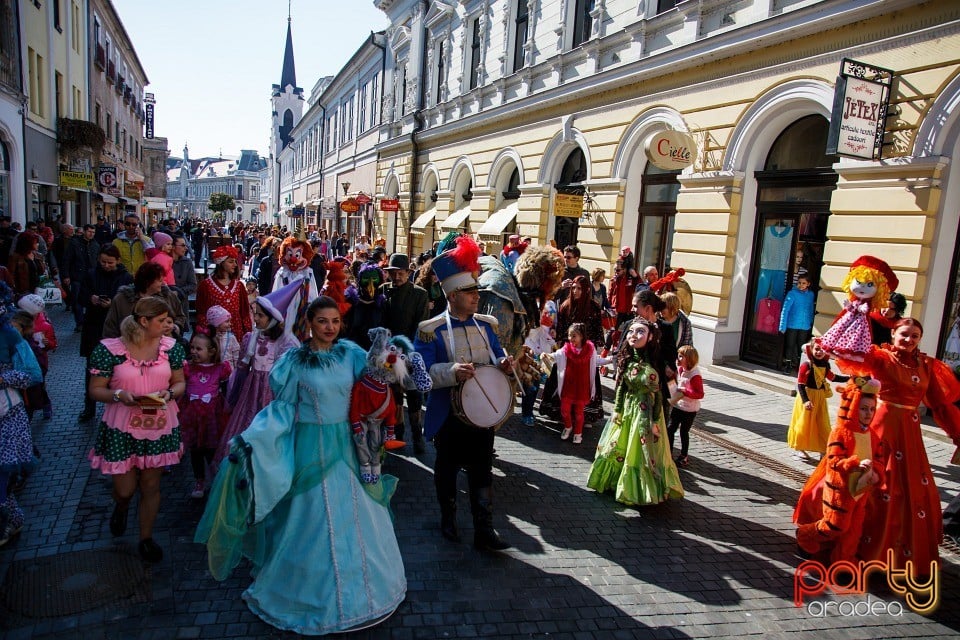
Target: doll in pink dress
868 285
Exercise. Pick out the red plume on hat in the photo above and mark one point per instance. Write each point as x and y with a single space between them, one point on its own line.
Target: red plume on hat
879 265
466 254
668 279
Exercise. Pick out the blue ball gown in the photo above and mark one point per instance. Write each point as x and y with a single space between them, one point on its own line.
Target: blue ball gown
323 548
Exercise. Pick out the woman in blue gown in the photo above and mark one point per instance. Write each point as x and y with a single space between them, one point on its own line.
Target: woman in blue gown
324 552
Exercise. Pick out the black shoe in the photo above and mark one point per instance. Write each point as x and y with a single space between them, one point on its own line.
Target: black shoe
419 446
150 551
486 539
449 531
118 520
86 416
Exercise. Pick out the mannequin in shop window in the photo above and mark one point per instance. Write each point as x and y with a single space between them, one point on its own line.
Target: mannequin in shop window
774 262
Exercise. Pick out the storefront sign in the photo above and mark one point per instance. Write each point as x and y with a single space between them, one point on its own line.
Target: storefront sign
859 116
568 202
148 102
107 177
297 212
389 204
671 150
363 199
76 180
350 205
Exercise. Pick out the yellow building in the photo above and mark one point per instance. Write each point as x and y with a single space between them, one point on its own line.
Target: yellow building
494 113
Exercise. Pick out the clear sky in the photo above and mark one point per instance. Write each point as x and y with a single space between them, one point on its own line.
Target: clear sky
211 63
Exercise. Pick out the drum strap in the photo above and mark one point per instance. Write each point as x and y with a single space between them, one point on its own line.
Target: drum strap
453 346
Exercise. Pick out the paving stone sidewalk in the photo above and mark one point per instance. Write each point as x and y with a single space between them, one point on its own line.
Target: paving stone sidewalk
719 563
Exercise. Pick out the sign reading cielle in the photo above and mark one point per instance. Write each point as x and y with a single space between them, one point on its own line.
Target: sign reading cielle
671 150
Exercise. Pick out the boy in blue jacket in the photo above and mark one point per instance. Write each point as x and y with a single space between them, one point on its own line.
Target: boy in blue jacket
796 322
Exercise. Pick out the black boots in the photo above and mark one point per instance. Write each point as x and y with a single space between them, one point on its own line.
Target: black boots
484 536
448 520
416 430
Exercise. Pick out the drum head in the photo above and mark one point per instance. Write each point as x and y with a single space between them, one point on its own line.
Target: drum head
486 400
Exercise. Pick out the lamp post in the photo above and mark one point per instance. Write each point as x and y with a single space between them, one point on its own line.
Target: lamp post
346 189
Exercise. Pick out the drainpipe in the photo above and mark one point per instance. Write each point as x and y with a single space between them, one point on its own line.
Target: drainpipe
23 117
383 74
323 136
418 123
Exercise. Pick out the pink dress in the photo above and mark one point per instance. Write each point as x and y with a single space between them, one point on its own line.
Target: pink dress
850 332
131 437
202 417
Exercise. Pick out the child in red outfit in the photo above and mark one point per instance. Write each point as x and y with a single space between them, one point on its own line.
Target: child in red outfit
686 400
577 363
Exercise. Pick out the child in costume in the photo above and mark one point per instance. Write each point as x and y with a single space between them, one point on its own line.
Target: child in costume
248 390
373 413
686 400
42 339
831 508
201 406
577 361
539 341
220 323
868 285
796 321
367 305
633 459
810 422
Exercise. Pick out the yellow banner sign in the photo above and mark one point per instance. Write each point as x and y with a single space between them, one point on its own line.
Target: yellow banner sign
76 180
567 205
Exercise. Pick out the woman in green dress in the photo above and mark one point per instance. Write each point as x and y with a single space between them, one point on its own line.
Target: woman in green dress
633 455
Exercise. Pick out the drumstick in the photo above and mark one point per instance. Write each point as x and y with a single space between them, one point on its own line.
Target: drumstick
480 386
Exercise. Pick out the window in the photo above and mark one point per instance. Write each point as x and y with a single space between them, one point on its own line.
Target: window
375 101
346 121
327 135
520 29
109 130
77 103
658 210
75 26
362 109
98 115
56 16
116 132
402 85
58 87
96 30
240 191
582 22
474 70
441 64
36 72
4 178
665 5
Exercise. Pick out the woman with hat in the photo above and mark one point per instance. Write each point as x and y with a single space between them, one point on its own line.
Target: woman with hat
249 389
225 288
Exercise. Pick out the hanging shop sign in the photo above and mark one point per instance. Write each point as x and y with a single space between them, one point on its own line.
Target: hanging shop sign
389 204
297 212
76 180
148 102
107 179
363 198
568 201
671 150
859 117
350 205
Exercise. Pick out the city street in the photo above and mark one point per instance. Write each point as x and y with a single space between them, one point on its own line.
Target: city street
719 563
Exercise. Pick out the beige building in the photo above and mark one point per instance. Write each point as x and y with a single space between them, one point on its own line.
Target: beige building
117 80
494 109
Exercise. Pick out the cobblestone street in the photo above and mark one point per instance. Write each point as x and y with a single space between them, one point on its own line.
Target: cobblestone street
719 563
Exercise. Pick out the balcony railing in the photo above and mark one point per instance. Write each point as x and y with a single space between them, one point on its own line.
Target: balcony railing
79 134
100 57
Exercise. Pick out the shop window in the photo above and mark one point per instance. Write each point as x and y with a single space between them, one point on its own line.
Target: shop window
949 346
793 207
658 211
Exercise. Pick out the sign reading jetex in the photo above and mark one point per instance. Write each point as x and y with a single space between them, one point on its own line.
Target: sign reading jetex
859 115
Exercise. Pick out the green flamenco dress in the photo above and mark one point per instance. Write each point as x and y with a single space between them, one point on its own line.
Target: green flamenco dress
631 460
288 497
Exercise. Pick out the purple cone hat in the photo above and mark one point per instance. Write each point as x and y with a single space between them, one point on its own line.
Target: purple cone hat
277 302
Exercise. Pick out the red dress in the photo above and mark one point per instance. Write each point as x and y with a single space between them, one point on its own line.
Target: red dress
906 517
233 298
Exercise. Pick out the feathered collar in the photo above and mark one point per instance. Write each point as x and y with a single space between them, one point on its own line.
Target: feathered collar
339 352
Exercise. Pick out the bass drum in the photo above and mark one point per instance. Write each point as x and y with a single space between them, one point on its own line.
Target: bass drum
485 400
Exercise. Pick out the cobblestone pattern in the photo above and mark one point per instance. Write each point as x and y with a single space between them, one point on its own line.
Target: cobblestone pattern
717 564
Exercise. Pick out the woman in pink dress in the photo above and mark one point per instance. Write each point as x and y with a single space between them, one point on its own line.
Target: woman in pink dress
137 376
225 288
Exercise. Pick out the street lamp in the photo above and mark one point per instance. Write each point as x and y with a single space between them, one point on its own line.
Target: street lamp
346 187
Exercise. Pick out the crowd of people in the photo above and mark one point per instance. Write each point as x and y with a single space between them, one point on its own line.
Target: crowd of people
260 391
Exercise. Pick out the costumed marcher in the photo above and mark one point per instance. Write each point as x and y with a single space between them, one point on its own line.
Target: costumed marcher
43 339
633 455
248 390
18 371
906 516
512 252
219 327
868 285
539 342
831 508
407 305
295 258
453 346
810 421
225 288
576 366
391 361
367 305
288 497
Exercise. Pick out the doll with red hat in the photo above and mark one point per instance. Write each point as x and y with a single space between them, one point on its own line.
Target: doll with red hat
868 285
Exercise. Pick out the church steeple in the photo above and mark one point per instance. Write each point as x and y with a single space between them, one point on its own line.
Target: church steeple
288 76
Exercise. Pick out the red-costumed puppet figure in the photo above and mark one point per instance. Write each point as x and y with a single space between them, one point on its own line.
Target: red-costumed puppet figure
336 284
295 257
830 511
868 285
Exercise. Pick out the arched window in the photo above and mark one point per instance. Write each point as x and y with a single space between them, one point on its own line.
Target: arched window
658 211
4 179
572 175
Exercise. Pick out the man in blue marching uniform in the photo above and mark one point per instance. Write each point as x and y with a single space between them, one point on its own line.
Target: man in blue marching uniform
452 345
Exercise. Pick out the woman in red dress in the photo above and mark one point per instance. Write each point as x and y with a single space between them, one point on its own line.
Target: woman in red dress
225 288
905 514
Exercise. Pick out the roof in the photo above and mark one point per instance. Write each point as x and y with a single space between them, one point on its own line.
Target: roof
288 75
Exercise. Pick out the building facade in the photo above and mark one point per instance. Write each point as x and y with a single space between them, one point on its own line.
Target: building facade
496 111
286 101
155 154
13 105
190 183
117 81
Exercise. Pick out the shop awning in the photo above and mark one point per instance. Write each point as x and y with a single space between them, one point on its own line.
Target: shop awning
424 220
455 220
499 220
107 198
